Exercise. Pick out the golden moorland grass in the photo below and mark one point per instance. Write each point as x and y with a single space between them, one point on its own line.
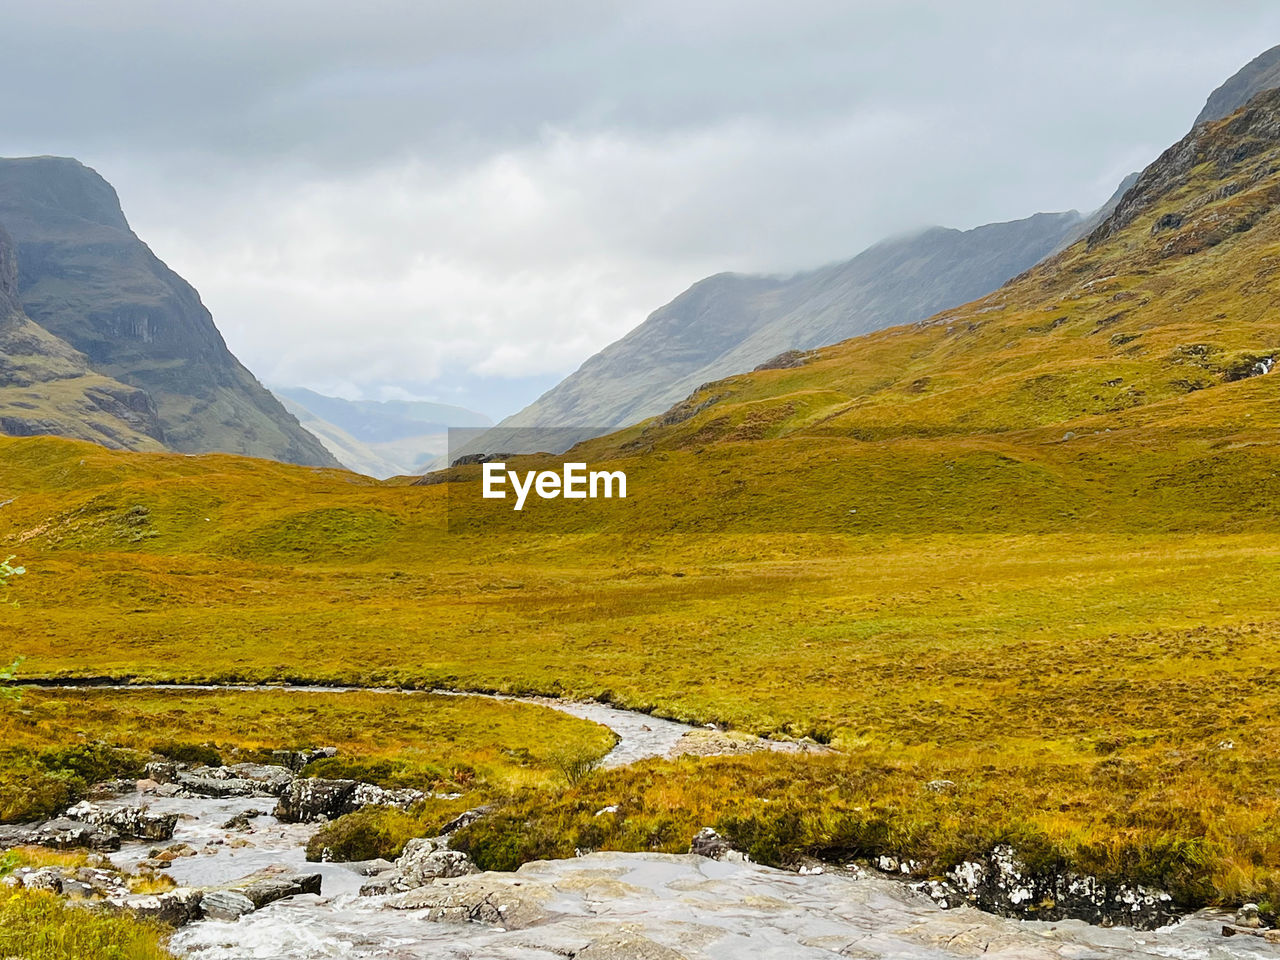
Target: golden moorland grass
1029 546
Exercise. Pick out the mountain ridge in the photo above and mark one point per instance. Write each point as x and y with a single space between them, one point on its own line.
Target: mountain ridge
87 279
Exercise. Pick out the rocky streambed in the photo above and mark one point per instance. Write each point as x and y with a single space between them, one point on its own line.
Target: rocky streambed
233 840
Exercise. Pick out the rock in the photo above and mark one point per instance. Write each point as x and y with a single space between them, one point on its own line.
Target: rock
146 786
625 947
173 907
241 820
295 760
1002 884
226 905
60 833
132 821
425 860
255 891
371 868
46 878
464 820
380 884
163 771
237 780
1247 916
710 844
940 786
498 900
309 799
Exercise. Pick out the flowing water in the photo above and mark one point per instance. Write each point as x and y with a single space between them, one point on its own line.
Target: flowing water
642 906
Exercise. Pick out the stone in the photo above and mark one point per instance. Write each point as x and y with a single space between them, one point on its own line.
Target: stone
710 844
131 821
503 901
226 905
940 786
307 799
1247 916
425 860
464 820
173 907
61 833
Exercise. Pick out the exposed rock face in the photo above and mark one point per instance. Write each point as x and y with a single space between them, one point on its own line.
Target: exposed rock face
730 323
1002 883
309 799
1259 74
87 280
48 387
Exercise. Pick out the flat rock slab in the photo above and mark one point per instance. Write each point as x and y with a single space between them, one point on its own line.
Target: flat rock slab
500 900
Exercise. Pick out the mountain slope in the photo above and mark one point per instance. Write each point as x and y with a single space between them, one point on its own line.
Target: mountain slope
87 279
730 323
1165 316
1259 74
46 386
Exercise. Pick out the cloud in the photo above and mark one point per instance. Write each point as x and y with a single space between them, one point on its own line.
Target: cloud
469 199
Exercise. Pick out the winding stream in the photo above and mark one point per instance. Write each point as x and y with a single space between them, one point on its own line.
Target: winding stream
616 906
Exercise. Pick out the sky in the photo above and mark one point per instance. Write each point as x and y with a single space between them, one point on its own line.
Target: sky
463 201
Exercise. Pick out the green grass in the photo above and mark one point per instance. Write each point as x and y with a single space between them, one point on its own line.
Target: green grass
40 926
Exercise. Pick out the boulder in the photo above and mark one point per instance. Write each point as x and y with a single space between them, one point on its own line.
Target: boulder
173 907
425 860
131 821
255 891
60 833
237 780
315 798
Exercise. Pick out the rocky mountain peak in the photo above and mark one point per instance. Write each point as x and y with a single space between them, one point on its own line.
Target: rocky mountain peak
1259 74
61 187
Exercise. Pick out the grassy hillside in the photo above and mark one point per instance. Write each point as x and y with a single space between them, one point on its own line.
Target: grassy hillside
1029 546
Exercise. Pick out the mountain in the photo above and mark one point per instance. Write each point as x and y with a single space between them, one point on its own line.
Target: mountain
86 279
729 323
1259 74
379 438
1153 337
47 386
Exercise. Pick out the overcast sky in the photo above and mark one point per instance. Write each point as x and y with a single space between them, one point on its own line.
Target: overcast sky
465 200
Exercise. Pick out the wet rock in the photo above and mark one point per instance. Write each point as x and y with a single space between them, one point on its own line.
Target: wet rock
255 891
380 884
710 844
371 868
502 901
146 786
241 820
226 905
309 799
624 947
163 771
1247 916
132 821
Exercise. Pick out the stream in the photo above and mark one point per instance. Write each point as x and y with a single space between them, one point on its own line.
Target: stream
621 906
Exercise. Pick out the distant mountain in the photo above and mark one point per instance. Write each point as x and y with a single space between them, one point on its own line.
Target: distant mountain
1259 74
730 323
47 386
87 280
380 438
